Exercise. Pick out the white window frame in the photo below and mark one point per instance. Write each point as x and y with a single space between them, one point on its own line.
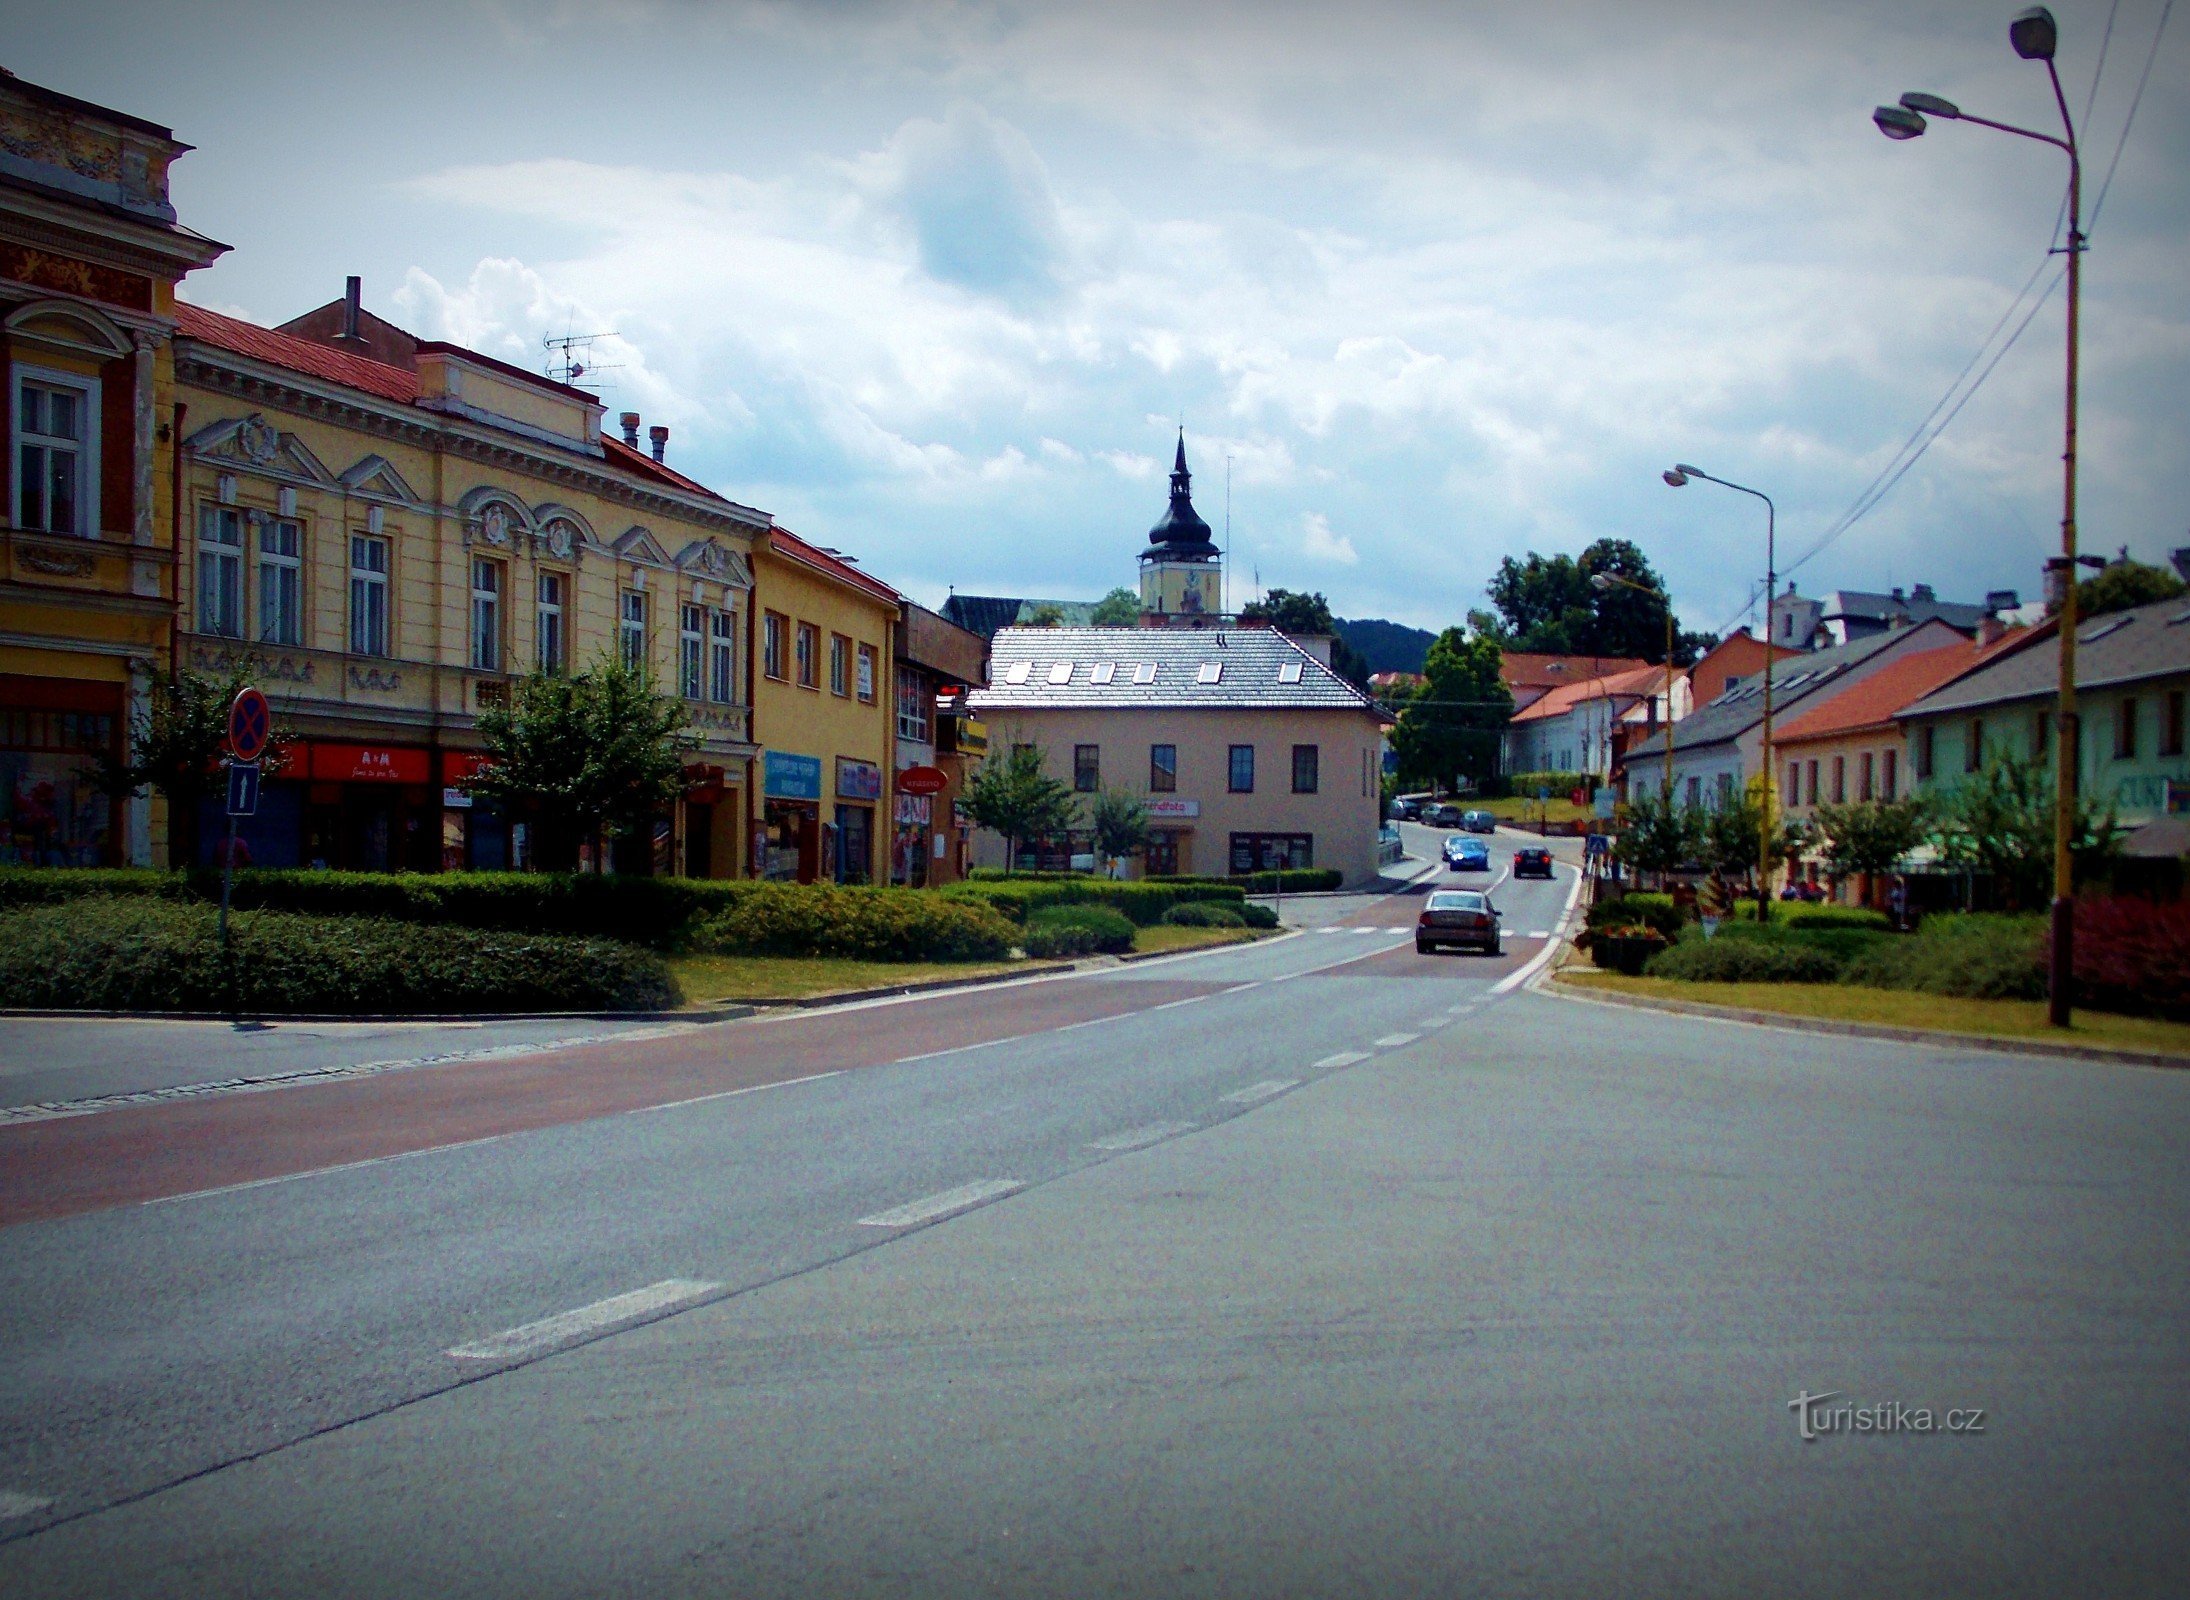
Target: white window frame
486 614
915 707
691 650
86 449
370 600
865 671
281 577
220 572
840 665
631 628
551 640
722 656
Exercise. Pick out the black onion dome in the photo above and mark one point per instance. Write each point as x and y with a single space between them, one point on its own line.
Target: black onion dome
1182 531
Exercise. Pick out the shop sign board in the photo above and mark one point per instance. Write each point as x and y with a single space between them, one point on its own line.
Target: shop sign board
857 780
1165 808
785 776
459 767
456 799
922 781
369 763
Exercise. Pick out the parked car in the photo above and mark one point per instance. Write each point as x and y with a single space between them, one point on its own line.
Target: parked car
1405 810
1532 861
1461 917
1439 815
1478 822
1463 854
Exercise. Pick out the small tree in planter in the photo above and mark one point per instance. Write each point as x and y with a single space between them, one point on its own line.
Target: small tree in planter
1869 838
1014 795
1661 835
1120 821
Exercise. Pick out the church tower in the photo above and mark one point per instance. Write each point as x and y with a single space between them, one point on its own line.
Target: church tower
1182 580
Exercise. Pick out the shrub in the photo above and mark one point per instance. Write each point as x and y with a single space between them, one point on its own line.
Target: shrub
1142 901
1638 910
1803 914
1844 945
785 919
1046 942
136 953
1720 960
2132 955
1561 784
1202 914
1112 933
1983 957
1257 916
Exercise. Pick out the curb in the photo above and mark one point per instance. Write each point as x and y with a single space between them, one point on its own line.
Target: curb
726 1011
1940 1038
1047 969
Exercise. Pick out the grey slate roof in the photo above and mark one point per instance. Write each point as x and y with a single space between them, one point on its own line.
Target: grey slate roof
2143 642
1251 659
984 614
1794 680
1883 608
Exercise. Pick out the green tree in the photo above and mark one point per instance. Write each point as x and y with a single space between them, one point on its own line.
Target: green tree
1729 833
1660 836
591 753
1450 729
1120 821
176 745
1121 608
1999 821
1549 604
1869 836
1046 615
1014 795
2122 584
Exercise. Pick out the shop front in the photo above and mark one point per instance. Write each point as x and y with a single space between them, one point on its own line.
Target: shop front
51 815
787 839
910 851
364 808
858 795
710 822
1170 848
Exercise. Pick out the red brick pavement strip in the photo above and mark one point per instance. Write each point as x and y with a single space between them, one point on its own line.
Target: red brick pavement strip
140 1153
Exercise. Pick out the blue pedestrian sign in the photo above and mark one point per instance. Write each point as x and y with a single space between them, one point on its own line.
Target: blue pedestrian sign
243 788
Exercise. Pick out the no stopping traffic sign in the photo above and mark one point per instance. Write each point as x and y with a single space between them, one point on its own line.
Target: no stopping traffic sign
250 725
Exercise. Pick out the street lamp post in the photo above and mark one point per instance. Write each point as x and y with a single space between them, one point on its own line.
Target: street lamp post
1602 581
2034 35
1678 478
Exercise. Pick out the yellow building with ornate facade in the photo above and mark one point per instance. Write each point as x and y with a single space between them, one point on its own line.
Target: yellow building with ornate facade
391 531
90 252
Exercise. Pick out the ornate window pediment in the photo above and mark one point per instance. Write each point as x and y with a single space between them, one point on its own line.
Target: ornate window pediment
639 544
252 444
376 475
706 559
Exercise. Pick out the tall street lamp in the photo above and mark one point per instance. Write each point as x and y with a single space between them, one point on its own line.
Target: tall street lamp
1602 582
2034 35
1678 478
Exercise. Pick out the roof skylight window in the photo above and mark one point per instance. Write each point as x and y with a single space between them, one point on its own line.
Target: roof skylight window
1144 672
1104 672
2101 629
1211 672
1289 672
1018 671
1060 672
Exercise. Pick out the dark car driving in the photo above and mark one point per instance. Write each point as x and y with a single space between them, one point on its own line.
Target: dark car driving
1461 917
1532 861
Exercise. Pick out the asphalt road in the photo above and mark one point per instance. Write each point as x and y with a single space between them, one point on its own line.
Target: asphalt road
1312 1267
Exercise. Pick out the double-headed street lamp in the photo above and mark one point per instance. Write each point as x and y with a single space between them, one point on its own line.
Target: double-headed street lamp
1602 582
2034 35
1678 478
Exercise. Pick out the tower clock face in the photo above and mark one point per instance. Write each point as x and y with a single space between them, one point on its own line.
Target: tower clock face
1191 599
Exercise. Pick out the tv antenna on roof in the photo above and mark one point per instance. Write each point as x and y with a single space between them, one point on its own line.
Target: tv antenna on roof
572 358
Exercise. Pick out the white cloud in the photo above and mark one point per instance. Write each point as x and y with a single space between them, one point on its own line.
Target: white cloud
1319 543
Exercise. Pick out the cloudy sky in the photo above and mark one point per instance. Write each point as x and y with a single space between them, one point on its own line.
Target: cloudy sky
934 282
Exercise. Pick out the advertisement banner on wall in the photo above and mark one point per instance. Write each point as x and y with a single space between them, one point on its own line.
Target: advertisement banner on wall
914 809
785 776
857 780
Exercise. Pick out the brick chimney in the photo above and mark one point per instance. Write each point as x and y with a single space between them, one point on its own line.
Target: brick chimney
353 309
658 437
630 423
1990 629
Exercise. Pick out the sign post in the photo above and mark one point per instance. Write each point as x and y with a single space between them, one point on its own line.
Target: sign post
250 726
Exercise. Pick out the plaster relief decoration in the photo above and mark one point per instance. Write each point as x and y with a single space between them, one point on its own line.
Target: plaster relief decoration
375 681
494 526
560 539
257 446
638 544
712 560
258 440
374 476
285 669
55 563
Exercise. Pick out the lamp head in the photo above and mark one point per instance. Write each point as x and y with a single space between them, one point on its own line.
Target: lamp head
2033 34
1676 478
1898 122
1930 105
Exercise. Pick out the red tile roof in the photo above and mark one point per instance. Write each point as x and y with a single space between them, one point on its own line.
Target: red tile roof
1871 704
296 355
1521 668
790 544
1640 681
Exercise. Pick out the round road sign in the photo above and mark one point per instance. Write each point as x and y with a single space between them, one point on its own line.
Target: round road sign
250 725
922 780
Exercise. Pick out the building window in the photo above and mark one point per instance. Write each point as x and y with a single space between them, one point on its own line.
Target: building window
1890 778
1272 852
631 629
2041 724
368 595
1925 752
1810 772
486 616
2171 719
722 658
840 664
1840 780
865 679
1306 762
1241 769
57 454
1163 768
1726 786
1695 791
1794 783
281 583
1863 774
774 625
691 649
2125 729
220 571
1087 767
915 705
552 652
1973 753
809 655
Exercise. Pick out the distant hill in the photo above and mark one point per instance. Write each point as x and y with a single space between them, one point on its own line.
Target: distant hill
1386 646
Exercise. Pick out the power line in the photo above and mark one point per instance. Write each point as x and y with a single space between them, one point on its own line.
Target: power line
2128 122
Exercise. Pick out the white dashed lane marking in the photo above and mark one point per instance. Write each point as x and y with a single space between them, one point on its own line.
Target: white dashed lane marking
951 1201
21 1505
1392 1041
533 1337
1135 1138
1261 1091
1345 1058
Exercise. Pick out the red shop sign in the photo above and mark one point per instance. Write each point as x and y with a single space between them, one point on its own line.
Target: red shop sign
369 763
459 767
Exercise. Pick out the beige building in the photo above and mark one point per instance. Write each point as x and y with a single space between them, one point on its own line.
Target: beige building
387 533
1249 751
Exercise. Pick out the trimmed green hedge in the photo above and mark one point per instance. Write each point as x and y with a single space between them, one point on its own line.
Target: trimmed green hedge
1293 880
1142 901
1639 910
1202 914
137 953
1985 957
1824 914
782 919
1744 961
1259 916
1113 934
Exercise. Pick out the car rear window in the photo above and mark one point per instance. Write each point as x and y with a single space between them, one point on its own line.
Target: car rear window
1456 900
